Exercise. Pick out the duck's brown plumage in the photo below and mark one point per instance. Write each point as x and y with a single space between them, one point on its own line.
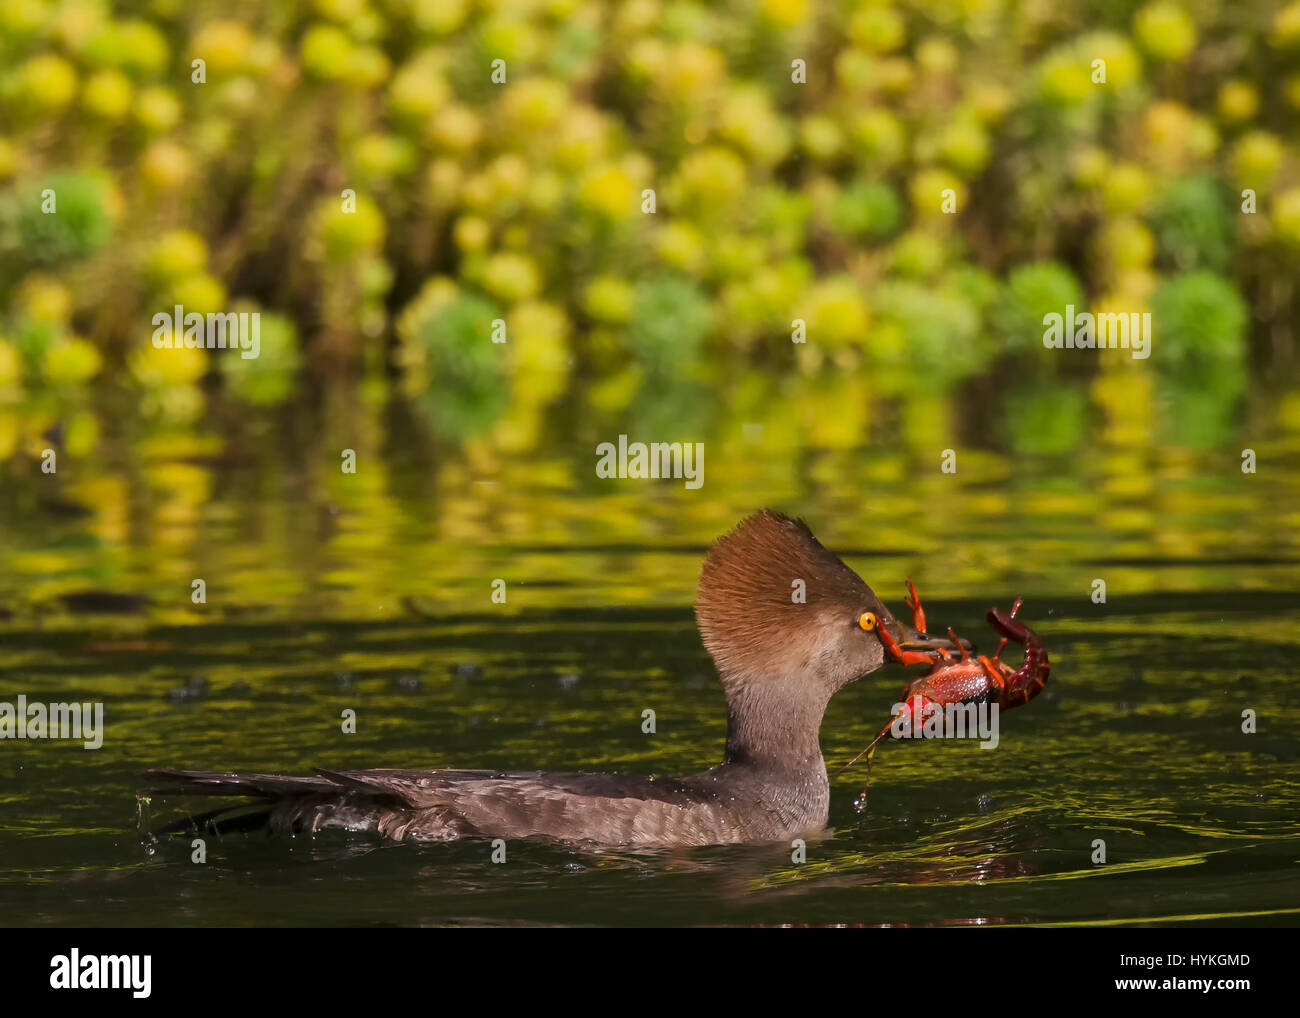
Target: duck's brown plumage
780 659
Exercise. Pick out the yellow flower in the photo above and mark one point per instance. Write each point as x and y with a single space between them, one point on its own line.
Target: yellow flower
366 67
176 255
1238 100
46 83
1123 65
691 73
200 293
608 191
927 192
609 299
346 235
1256 159
165 165
880 137
1166 125
107 95
10 428
1090 166
534 105
472 233
157 109
709 178
821 137
1286 27
44 299
326 52
1286 216
937 56
681 245
748 120
70 362
835 312
11 366
538 351
222 45
22 18
160 368
418 89
1165 31
964 145
877 28
8 158
1064 79
511 277
1127 188
441 17
455 128
339 10
546 191
1126 244
784 13
81 437
581 139
1290 90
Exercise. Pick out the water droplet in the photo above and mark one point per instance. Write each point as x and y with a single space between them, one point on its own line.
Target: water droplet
860 803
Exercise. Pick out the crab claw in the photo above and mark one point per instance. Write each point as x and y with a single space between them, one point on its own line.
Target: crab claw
913 601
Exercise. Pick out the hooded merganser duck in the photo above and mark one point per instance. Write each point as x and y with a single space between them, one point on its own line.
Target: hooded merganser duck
782 649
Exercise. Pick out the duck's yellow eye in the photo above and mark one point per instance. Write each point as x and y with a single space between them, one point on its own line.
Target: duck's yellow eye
867 621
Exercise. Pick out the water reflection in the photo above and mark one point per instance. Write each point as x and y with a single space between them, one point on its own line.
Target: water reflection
372 590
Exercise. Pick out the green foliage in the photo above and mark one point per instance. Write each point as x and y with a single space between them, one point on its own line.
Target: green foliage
33 339
1199 324
268 379
1201 400
339 158
1197 317
1033 291
868 209
467 390
670 319
80 226
1193 224
1046 418
941 330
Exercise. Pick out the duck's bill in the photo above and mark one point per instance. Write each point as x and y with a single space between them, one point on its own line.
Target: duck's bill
924 642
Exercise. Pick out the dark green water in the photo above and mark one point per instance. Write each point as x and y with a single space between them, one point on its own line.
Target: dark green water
328 592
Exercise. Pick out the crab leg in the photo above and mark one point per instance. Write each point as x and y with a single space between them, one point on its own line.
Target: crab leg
913 601
907 657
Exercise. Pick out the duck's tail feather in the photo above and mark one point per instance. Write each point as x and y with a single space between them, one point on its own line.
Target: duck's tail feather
284 802
269 786
237 819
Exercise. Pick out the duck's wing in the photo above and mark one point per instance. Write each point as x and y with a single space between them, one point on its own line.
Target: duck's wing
609 809
447 805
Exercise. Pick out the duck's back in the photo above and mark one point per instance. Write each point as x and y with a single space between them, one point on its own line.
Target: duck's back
606 809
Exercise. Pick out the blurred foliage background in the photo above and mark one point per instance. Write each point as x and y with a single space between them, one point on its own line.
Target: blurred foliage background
775 200
522 200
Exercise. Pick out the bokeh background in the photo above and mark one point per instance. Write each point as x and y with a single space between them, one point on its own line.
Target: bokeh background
523 201
775 200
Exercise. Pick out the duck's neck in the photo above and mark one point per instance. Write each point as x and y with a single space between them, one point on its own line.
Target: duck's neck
773 727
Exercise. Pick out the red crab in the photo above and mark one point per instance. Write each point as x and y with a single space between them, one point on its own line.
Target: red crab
962 680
